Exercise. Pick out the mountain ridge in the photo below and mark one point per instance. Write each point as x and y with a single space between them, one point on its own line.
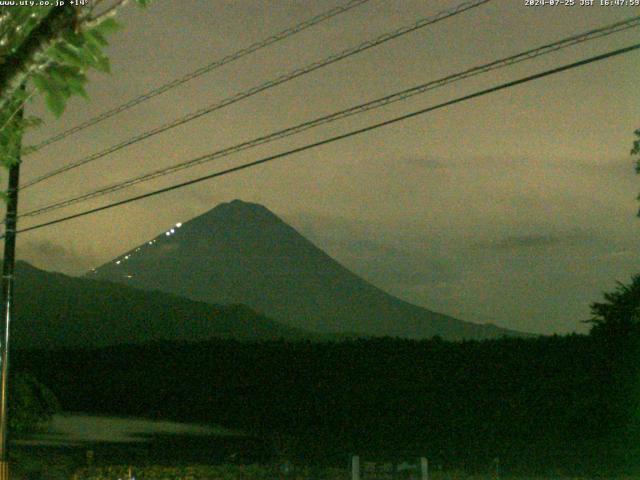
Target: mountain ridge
53 310
240 252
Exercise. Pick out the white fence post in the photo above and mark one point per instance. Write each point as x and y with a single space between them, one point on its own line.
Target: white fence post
355 467
424 468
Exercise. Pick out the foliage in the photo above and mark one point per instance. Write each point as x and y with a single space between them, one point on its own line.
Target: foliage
30 404
255 472
47 51
619 315
30 464
616 328
192 472
540 404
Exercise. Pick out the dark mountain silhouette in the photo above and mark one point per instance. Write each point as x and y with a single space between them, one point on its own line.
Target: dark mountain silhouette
55 310
241 252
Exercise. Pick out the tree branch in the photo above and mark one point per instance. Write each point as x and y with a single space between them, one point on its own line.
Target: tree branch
21 63
18 109
112 10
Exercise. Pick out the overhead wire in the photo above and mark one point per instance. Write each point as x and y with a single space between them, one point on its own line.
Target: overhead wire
232 57
632 22
343 136
264 86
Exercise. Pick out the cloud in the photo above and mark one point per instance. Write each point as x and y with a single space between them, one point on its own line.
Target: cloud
55 257
387 265
529 271
373 253
536 240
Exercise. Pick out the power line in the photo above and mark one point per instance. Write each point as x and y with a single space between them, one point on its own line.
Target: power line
264 86
284 34
343 136
632 22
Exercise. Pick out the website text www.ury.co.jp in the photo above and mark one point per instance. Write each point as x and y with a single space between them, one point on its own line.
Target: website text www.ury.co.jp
42 3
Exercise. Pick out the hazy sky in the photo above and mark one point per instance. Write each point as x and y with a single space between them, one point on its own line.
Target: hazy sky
516 208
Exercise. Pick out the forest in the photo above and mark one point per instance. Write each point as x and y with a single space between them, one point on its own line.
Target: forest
558 403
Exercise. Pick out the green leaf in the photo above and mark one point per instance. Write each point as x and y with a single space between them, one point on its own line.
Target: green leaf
96 38
77 87
70 55
100 60
74 39
636 145
86 54
143 3
59 82
20 96
107 27
68 71
103 64
32 121
55 102
27 150
40 82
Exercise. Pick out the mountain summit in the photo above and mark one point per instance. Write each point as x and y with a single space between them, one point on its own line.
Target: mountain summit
241 252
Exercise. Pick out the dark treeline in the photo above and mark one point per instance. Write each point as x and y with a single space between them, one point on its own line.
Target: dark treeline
540 404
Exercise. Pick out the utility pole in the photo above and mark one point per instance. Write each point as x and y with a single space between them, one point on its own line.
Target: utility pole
8 267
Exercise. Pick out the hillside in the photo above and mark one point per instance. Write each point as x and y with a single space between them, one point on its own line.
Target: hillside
240 252
55 310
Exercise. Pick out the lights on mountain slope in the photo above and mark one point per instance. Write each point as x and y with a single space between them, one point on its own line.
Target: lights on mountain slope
168 233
